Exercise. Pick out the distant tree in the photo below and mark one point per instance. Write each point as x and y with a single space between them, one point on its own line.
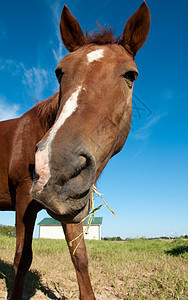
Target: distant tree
8 230
115 238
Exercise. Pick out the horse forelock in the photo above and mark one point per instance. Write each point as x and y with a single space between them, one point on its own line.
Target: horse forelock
104 35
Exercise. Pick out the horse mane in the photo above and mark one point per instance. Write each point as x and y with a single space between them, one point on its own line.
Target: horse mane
47 110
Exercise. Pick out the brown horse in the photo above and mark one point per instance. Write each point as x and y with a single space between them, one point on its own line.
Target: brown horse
75 132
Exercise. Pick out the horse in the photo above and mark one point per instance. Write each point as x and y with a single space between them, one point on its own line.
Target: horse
52 155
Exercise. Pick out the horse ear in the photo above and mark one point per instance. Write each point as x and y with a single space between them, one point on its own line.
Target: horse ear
71 33
136 30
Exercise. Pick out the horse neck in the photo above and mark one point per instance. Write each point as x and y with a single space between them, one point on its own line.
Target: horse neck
34 124
46 112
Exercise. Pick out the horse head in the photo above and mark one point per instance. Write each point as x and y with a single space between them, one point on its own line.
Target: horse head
94 115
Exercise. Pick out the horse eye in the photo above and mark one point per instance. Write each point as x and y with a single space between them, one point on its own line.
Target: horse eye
59 74
131 75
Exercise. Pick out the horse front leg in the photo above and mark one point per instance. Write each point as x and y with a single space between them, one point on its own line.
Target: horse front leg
79 259
25 221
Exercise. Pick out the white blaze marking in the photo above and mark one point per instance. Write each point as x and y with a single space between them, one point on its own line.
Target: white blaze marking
95 55
42 157
68 109
42 168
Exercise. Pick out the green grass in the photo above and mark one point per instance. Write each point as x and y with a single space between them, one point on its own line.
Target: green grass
135 269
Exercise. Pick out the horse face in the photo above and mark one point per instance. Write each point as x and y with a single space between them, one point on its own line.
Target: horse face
94 116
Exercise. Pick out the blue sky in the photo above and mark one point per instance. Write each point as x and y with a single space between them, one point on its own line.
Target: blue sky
147 183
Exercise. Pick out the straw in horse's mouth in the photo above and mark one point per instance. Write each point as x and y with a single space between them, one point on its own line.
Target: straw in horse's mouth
93 209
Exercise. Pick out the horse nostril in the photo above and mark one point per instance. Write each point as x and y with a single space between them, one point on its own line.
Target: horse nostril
35 175
61 180
77 172
83 163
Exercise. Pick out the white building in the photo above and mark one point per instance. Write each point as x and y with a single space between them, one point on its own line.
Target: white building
52 229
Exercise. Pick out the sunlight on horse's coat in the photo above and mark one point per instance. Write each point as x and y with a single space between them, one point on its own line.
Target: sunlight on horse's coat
95 55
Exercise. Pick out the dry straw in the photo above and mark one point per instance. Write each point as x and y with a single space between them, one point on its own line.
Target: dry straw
93 210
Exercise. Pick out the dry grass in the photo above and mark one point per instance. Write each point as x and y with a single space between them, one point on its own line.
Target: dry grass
137 269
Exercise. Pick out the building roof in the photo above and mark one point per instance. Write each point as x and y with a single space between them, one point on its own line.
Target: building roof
51 221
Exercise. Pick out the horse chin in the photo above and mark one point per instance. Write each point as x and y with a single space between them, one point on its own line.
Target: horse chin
64 205
72 217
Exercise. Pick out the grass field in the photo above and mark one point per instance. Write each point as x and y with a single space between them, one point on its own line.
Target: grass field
135 269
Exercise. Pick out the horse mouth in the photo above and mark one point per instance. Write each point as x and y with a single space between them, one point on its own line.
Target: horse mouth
62 205
72 217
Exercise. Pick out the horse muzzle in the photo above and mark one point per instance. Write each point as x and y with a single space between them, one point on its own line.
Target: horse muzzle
67 193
